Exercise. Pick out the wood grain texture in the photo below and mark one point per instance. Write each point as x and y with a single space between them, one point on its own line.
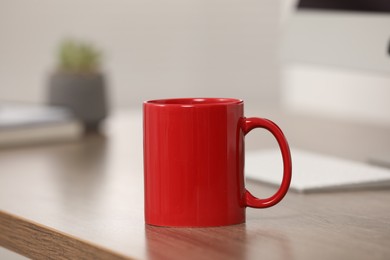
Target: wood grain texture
85 201
41 242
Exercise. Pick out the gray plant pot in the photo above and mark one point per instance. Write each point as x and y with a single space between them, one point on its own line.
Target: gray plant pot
84 94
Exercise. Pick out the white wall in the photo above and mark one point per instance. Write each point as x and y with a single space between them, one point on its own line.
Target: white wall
152 49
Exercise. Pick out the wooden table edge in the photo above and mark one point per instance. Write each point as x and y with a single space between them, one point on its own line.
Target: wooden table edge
37 241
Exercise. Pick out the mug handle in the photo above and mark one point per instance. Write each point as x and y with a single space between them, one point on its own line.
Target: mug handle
247 124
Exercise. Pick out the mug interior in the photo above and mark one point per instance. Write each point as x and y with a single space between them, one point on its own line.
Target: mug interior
195 101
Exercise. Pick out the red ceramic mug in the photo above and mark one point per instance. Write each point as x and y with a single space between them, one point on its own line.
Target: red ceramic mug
194 162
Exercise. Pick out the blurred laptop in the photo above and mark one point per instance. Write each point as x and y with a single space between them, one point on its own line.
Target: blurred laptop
314 172
336 61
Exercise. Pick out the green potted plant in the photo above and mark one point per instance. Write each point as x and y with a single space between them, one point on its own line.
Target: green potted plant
79 84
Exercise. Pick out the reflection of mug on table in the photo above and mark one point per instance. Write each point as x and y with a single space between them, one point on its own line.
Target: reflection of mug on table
194 162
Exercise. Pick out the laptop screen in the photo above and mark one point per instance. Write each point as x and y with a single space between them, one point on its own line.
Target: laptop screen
382 6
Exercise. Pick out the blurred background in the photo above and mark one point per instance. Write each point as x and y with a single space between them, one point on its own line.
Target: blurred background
294 55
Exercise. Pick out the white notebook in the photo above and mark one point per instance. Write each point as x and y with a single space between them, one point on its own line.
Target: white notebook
27 124
315 172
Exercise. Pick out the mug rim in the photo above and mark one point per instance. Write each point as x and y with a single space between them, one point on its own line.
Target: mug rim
193 102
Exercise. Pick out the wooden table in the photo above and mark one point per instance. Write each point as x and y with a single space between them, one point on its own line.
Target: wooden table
84 200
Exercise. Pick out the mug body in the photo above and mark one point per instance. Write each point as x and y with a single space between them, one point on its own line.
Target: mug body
193 162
